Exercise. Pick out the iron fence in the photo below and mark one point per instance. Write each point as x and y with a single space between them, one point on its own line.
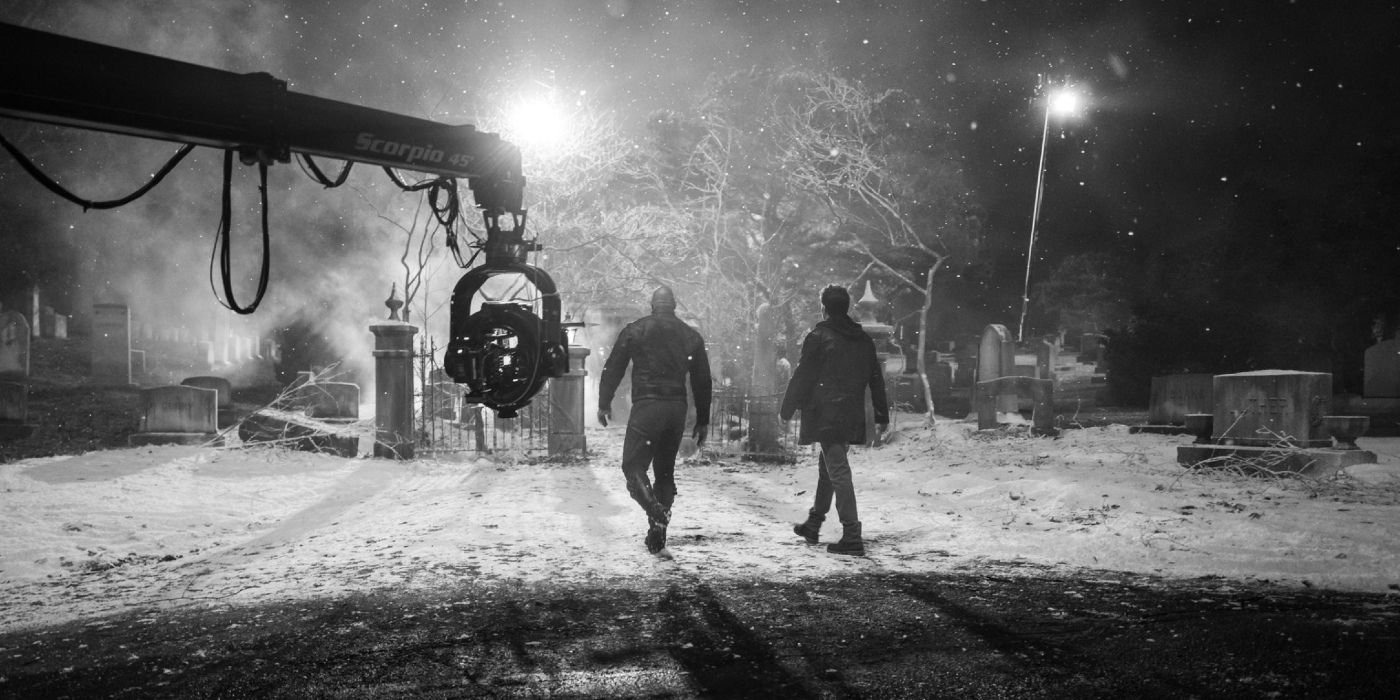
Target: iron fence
748 426
446 425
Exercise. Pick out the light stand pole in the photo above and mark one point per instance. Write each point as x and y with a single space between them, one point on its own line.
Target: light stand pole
1062 101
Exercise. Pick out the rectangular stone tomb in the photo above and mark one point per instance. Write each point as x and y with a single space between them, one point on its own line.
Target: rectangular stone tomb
184 415
1272 421
1272 407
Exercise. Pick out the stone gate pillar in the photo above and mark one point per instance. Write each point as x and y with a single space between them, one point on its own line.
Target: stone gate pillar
393 389
566 407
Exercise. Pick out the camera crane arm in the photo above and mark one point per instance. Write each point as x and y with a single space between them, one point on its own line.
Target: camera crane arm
71 82
503 353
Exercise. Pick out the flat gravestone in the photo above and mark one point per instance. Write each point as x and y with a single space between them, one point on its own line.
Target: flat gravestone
1381 363
996 358
14 346
1175 395
219 384
177 415
111 344
1272 407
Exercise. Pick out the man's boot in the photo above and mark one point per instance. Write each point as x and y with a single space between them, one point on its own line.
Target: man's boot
657 531
850 542
656 536
808 530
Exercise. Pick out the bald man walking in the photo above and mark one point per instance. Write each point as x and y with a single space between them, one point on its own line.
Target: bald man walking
662 350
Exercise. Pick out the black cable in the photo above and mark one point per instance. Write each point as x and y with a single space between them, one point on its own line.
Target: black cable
87 204
446 205
223 249
314 172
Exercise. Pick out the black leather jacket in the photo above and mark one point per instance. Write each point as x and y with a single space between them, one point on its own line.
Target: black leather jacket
838 363
662 350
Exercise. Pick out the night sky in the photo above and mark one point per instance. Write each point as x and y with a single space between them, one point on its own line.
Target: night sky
1187 99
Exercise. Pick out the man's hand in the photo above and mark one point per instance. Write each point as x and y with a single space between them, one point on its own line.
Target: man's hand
603 415
699 433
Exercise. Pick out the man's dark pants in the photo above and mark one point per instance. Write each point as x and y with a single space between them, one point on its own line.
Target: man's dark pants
654 432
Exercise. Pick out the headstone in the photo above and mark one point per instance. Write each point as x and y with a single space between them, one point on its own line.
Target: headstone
14 346
1091 347
1176 395
111 344
177 415
60 326
47 322
138 364
443 399
328 400
1272 407
205 353
223 386
1047 355
1041 392
996 358
14 411
1381 370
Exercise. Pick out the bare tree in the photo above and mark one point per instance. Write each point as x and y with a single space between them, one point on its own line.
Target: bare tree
876 163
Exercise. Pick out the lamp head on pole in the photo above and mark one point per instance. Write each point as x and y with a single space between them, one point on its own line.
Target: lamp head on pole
1065 101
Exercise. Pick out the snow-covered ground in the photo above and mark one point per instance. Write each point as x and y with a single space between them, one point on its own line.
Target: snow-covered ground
132 529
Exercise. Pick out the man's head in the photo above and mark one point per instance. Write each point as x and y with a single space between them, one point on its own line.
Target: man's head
836 301
663 300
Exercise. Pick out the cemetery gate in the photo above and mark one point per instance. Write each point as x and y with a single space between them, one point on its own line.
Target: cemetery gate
446 425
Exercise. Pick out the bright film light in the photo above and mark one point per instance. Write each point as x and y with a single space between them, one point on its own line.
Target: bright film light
538 122
1064 102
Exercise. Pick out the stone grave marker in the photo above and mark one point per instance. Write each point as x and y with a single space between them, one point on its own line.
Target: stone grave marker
1271 407
218 384
996 358
1381 370
177 415
14 346
111 344
14 411
329 400
1175 395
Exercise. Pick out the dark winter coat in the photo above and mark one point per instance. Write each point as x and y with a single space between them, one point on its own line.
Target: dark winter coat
838 363
662 350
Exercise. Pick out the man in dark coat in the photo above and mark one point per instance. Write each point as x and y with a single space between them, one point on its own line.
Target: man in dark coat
838 363
662 350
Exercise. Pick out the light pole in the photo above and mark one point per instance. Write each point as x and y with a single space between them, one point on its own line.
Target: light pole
1062 101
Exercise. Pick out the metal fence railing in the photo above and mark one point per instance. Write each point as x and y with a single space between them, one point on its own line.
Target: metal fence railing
446 425
748 426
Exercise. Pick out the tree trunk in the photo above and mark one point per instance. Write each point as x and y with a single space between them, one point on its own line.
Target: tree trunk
763 395
921 362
